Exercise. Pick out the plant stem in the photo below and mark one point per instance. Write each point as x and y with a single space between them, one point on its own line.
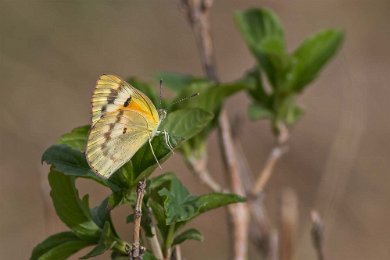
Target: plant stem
137 251
199 168
260 231
276 153
153 240
178 252
265 174
317 234
288 224
169 241
198 12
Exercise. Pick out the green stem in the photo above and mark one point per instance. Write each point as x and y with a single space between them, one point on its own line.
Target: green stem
169 241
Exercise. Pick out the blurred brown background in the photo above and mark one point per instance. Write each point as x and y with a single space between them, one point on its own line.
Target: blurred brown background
52 51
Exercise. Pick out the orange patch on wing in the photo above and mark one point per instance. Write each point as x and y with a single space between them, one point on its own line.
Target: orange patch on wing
135 106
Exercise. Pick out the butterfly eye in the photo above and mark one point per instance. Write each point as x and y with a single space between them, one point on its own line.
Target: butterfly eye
127 102
124 130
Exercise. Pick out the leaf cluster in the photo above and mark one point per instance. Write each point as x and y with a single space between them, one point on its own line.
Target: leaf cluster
169 201
285 74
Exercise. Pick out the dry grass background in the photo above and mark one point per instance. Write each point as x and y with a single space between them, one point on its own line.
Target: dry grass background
52 51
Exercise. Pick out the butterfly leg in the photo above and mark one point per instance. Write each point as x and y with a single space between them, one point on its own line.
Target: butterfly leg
151 147
167 141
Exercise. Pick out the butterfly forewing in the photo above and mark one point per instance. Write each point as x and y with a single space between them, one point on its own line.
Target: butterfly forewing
123 119
112 93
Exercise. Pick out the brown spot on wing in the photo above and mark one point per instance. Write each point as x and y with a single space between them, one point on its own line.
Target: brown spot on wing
104 109
112 96
107 135
127 102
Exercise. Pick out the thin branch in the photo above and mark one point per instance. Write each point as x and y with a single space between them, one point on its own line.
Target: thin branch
274 244
267 171
274 156
198 12
288 222
239 213
199 167
317 234
153 240
260 231
177 253
137 251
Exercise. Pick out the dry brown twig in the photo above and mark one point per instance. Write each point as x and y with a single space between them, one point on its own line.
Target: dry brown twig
198 12
177 253
288 224
153 240
317 234
199 167
137 251
260 230
276 153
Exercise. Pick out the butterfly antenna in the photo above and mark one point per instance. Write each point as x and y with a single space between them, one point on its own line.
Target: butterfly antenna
185 98
161 83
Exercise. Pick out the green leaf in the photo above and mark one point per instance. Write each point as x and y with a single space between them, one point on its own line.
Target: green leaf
70 209
215 200
180 125
259 25
59 246
254 83
70 161
159 215
210 98
185 123
159 181
257 112
122 179
294 114
149 256
130 218
76 139
264 36
311 56
179 204
193 234
102 213
107 241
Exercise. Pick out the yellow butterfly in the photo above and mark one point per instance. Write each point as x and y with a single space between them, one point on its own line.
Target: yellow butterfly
123 120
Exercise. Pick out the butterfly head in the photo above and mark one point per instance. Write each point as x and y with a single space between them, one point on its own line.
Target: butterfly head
162 113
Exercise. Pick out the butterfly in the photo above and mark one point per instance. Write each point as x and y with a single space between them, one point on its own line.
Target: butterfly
123 120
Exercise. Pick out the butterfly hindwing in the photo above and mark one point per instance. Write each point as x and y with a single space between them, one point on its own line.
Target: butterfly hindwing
114 139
